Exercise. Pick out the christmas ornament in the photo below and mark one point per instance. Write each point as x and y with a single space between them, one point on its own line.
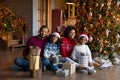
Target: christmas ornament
96 4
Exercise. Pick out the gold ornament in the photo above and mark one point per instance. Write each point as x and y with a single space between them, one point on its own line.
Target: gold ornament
101 6
84 4
99 16
104 52
96 4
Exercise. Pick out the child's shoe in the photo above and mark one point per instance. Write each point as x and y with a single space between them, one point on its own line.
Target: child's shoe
91 70
84 71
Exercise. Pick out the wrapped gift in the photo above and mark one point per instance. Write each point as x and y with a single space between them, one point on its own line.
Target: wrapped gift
70 66
56 59
62 72
83 60
35 51
34 62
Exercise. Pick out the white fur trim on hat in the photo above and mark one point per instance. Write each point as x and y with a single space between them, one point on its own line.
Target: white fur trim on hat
84 36
56 33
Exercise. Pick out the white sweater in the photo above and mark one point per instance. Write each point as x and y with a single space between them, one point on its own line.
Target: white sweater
81 50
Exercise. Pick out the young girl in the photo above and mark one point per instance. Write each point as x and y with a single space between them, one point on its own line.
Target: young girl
52 48
82 55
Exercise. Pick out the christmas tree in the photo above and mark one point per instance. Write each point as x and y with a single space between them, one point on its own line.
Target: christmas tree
101 20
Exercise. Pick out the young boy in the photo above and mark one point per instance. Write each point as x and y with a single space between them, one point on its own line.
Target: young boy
82 55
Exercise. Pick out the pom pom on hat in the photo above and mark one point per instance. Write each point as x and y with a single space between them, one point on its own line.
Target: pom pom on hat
56 34
83 35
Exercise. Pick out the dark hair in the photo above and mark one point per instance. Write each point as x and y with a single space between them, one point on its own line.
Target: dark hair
67 30
81 38
43 26
50 39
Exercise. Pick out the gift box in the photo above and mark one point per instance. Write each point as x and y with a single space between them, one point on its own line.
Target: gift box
83 60
34 62
56 59
70 66
62 72
35 51
37 74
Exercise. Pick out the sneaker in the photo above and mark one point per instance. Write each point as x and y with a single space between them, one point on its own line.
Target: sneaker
84 71
16 68
43 68
91 70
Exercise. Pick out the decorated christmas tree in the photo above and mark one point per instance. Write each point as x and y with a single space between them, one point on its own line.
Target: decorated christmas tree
100 19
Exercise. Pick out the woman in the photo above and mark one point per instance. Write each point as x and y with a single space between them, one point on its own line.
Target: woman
68 41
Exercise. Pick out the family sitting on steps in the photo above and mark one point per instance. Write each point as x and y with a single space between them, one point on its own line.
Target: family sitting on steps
52 46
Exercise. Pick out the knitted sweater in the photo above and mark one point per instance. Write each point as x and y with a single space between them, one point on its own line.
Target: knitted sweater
67 47
51 49
35 41
81 50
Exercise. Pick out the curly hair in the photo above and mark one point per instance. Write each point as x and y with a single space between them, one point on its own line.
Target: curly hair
67 31
50 39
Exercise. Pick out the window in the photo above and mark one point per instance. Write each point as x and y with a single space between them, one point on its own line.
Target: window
42 12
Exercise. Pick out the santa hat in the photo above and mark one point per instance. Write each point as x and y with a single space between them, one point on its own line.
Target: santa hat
56 34
83 35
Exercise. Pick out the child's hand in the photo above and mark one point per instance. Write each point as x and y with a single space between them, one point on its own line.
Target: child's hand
76 60
90 64
28 57
51 60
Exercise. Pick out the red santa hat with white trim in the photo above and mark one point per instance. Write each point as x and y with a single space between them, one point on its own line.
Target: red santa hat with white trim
83 35
56 33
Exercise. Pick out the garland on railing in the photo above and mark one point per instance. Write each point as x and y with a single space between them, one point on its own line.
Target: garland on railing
10 22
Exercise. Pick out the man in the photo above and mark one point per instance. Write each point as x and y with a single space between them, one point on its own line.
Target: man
37 41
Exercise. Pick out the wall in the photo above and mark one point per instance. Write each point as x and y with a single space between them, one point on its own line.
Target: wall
22 8
60 4
35 26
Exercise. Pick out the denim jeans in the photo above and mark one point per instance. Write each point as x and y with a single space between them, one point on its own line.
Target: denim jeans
66 59
22 63
46 62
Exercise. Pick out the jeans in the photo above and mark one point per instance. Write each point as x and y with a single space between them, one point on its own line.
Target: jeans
22 63
66 59
46 62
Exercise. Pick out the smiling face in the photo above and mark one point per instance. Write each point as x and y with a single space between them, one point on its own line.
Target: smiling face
54 39
82 40
44 32
71 34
